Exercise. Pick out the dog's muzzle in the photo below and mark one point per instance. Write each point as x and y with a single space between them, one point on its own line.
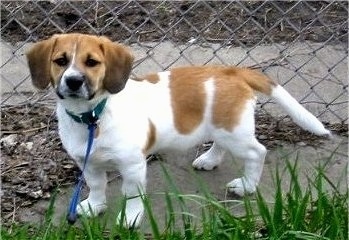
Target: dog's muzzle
74 84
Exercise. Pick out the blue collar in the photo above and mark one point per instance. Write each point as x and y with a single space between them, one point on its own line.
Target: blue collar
90 117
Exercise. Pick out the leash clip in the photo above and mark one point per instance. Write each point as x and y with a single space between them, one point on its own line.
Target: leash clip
93 118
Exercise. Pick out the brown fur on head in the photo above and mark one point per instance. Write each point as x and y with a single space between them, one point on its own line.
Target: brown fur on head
105 64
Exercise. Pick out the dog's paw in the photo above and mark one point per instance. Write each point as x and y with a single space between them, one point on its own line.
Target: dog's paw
204 163
241 187
133 214
89 209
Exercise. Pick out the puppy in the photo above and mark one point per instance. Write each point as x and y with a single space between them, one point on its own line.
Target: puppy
175 109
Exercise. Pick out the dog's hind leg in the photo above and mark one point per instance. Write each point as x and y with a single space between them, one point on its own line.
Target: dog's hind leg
253 154
242 143
210 159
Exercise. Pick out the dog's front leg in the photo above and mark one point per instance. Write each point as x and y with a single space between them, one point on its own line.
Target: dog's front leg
96 202
133 186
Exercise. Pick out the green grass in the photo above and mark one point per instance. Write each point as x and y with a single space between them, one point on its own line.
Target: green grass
299 212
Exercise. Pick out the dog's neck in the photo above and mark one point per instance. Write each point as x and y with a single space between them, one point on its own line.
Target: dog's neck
90 117
77 105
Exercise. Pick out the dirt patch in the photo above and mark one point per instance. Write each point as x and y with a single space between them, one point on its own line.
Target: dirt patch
229 23
34 163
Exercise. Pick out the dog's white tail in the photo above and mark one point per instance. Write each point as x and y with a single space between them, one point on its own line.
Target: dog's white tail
297 112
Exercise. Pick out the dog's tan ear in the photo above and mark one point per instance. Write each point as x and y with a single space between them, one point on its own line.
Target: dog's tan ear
39 62
119 61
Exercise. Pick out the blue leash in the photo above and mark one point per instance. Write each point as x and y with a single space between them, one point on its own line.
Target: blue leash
72 212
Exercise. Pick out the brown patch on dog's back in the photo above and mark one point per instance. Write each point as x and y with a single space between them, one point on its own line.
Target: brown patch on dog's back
152 78
233 88
187 97
257 80
151 137
231 95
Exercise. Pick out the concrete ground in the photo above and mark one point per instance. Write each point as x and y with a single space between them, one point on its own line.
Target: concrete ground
15 78
332 155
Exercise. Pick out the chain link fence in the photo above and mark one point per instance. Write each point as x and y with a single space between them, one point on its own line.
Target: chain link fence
301 44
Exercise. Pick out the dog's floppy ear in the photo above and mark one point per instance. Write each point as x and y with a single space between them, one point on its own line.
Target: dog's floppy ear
118 60
39 62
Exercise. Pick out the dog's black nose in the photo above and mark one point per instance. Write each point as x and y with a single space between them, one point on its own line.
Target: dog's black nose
74 82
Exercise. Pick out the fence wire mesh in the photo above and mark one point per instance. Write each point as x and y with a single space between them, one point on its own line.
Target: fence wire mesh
301 44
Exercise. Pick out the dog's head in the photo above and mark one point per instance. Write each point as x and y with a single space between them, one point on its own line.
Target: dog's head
79 65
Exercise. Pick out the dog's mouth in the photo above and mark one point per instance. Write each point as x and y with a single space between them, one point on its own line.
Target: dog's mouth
86 94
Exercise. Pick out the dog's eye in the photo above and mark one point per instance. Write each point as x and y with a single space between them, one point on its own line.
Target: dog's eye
91 62
62 61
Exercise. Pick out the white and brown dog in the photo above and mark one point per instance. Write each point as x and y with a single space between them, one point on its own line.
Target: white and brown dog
175 109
